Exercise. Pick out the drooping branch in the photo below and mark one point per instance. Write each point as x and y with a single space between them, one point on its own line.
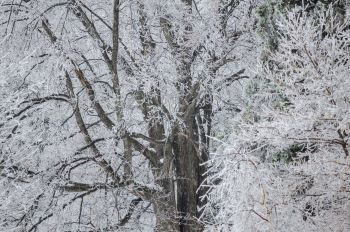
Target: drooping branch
231 79
149 154
169 34
48 31
75 187
81 77
343 143
127 217
115 49
44 218
146 138
37 101
97 106
58 97
12 172
225 12
147 42
81 124
91 29
80 150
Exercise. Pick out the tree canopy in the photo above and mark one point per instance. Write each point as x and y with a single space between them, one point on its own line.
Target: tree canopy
185 115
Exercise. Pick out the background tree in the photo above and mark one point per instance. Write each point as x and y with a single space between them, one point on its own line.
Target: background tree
286 166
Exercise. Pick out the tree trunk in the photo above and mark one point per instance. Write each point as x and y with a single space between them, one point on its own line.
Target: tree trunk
166 219
178 169
187 165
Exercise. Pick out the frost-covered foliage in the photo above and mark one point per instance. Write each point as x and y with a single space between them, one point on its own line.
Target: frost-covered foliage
286 166
110 111
107 108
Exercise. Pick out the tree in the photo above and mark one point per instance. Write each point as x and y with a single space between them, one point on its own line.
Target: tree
108 109
286 165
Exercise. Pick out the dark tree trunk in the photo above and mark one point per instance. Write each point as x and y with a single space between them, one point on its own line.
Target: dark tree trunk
178 167
187 165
